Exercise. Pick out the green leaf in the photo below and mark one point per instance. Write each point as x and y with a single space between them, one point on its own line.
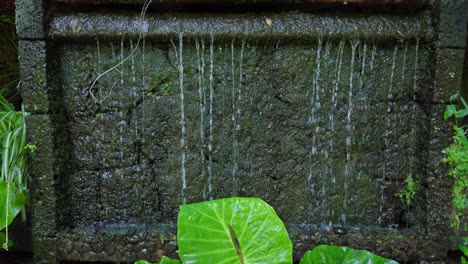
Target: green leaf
232 231
166 260
10 207
453 97
463 260
463 249
461 113
464 102
449 111
163 260
342 255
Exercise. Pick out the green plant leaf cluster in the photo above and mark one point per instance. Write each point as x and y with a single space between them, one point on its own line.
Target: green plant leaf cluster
9 72
247 231
456 156
407 193
343 255
464 249
13 171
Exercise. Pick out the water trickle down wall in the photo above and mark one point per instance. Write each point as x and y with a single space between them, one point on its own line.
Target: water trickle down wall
321 116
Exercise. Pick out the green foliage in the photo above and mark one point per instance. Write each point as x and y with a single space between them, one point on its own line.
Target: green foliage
342 255
247 230
457 158
233 230
13 176
464 249
9 72
165 88
407 193
7 19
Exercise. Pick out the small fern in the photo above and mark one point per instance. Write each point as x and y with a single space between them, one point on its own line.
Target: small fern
457 159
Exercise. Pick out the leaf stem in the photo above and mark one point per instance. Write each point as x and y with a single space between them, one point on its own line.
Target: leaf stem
236 243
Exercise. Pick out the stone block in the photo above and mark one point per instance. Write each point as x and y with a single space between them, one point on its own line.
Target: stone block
33 76
452 23
43 195
30 19
45 250
438 181
448 74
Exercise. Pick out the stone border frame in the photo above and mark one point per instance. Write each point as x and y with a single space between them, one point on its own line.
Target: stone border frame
51 244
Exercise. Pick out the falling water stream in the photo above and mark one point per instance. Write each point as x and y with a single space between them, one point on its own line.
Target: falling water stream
325 201
335 88
363 96
387 134
202 104
122 121
234 123
182 115
348 164
314 105
210 139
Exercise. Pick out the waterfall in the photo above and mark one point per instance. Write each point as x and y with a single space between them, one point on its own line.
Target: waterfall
234 124
349 132
315 105
121 59
201 96
336 84
179 55
210 139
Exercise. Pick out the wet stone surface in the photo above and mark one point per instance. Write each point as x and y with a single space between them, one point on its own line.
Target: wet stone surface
305 127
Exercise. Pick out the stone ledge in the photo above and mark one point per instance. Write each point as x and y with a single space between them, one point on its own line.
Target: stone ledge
291 26
133 242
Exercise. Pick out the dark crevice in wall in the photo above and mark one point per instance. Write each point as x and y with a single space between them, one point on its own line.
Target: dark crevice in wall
465 70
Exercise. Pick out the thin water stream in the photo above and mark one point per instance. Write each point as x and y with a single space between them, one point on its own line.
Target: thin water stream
348 165
200 47
210 139
179 55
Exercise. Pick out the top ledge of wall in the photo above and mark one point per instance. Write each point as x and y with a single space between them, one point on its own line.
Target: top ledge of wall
230 6
286 26
413 3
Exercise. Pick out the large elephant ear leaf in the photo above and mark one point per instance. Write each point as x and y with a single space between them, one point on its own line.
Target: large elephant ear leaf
332 254
12 200
232 231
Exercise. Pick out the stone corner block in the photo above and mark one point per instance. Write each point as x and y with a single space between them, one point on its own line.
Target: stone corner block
452 23
33 75
448 74
30 19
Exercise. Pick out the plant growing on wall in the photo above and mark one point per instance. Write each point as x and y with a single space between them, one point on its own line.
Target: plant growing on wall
13 176
246 231
407 193
464 249
457 158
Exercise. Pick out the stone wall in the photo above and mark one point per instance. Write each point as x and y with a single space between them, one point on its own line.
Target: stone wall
322 115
